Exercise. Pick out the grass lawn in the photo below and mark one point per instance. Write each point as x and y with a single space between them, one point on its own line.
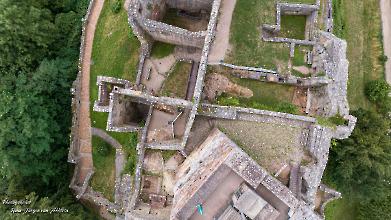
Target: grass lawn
176 83
268 144
268 94
245 34
300 53
359 22
115 53
103 156
160 49
341 209
293 26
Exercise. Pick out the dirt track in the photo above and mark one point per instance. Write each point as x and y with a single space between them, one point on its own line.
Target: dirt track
385 6
84 119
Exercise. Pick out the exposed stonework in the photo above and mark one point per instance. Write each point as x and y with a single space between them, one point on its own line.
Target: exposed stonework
330 57
270 32
211 163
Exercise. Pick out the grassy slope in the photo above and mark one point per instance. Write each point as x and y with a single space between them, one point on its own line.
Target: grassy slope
359 23
176 83
115 53
103 179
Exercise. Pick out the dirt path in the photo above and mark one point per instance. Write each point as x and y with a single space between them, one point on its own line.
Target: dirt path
221 42
84 131
385 6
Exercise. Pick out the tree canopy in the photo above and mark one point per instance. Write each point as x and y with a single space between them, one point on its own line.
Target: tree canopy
39 47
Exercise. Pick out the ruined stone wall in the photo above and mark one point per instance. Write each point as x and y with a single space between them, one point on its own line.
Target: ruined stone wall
170 34
190 5
140 153
73 154
219 148
211 32
272 76
75 91
330 58
311 11
147 29
249 114
328 16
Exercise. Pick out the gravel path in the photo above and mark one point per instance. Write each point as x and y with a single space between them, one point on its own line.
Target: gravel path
84 131
385 6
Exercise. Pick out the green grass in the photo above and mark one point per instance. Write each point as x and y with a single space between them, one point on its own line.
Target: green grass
103 156
176 83
293 26
116 50
267 94
331 122
115 53
341 209
359 22
245 35
160 49
300 53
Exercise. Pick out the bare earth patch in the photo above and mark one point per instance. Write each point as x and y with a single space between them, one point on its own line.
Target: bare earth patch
216 84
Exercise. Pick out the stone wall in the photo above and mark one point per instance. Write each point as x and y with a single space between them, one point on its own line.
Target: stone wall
190 5
318 145
249 114
270 32
219 151
102 104
147 29
330 58
328 16
140 160
272 76
202 69
73 154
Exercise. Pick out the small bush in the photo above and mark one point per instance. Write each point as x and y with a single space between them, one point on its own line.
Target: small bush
228 101
377 90
383 58
103 148
116 6
287 108
130 166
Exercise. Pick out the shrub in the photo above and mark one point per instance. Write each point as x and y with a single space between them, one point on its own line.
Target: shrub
287 108
116 6
103 148
228 101
383 58
377 90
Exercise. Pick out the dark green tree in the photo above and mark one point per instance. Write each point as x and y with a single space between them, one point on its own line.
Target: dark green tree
377 90
362 162
25 35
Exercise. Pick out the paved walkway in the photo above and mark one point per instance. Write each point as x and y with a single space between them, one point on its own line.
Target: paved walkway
106 137
84 129
385 6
